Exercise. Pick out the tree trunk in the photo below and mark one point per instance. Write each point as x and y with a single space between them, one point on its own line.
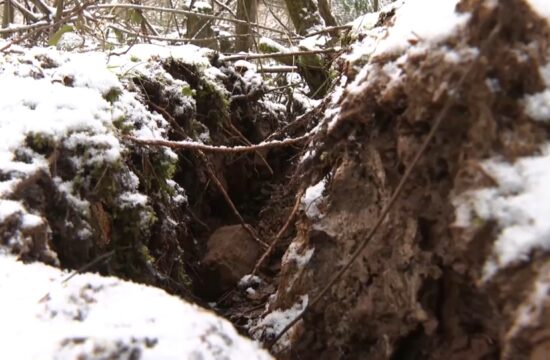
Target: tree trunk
375 5
7 15
306 18
247 10
326 13
304 15
199 28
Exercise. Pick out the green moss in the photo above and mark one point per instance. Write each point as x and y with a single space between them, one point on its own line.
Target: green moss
213 103
112 95
40 143
121 124
187 91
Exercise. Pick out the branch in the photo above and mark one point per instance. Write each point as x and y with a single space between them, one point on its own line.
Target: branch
26 13
167 39
78 9
42 6
329 29
280 233
276 55
277 69
181 12
23 28
192 145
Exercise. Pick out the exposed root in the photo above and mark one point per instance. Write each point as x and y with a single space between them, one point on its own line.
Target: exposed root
191 145
279 235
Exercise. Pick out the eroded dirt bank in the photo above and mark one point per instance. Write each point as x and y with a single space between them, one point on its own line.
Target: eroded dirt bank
429 284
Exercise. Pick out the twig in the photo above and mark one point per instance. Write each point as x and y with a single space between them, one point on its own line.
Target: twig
225 7
29 15
23 28
279 54
181 12
168 39
329 29
227 198
191 145
248 143
386 209
70 15
277 69
83 269
280 233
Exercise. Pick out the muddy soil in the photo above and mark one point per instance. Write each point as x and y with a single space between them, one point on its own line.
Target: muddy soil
416 291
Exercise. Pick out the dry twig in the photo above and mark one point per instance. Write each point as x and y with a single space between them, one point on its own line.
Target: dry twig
280 233
191 145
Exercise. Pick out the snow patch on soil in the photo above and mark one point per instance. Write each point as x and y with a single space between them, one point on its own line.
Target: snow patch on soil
422 20
520 206
273 323
313 198
92 317
540 6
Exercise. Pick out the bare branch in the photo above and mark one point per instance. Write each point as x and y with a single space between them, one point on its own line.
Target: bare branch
277 69
276 55
29 15
192 145
280 233
329 30
167 39
181 12
23 28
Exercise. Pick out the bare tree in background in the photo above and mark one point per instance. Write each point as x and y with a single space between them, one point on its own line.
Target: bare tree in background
326 13
247 10
7 14
304 15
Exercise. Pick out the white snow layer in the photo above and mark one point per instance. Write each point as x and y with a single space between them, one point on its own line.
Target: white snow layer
520 205
274 322
541 6
94 317
422 20
537 106
313 198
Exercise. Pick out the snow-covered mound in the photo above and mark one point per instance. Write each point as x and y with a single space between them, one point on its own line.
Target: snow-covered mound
94 317
73 187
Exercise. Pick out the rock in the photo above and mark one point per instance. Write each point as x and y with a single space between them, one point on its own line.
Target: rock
232 253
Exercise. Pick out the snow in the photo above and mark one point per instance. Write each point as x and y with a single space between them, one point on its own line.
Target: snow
519 205
130 199
8 208
249 280
422 20
530 312
274 322
313 198
136 56
540 6
537 106
292 254
94 317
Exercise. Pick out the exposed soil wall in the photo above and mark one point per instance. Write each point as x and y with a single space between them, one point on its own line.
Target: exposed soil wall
417 290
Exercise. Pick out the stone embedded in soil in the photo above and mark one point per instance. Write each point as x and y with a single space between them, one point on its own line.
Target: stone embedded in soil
232 253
